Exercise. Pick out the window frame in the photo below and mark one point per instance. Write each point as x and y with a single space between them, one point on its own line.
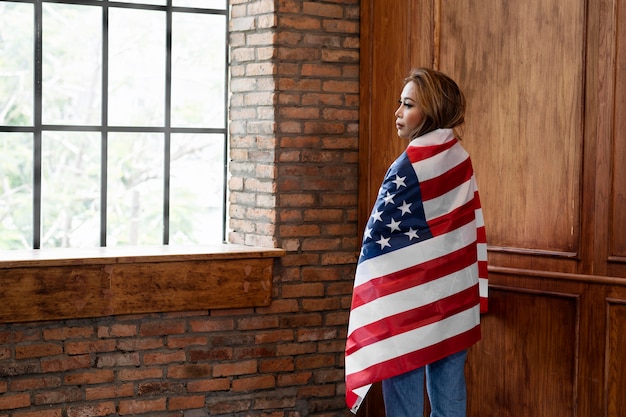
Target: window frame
38 128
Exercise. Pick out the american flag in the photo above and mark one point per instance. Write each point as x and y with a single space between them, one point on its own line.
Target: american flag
421 279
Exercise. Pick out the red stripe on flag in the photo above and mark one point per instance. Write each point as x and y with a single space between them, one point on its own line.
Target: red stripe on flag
414 275
457 218
412 360
481 234
447 181
419 153
482 269
409 320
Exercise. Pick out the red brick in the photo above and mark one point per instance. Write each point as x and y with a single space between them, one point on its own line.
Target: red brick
276 365
95 376
130 407
257 323
159 358
303 290
118 330
321 304
139 374
188 371
254 383
118 359
56 412
184 341
109 391
211 354
38 350
237 368
65 363
5 353
301 320
160 328
315 362
140 343
224 406
321 244
209 385
35 383
91 410
309 335
186 403
63 395
11 401
320 9
92 346
297 378
274 336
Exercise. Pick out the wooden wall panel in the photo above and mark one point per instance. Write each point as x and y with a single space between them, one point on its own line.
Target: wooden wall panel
618 207
616 358
546 129
521 67
526 363
385 63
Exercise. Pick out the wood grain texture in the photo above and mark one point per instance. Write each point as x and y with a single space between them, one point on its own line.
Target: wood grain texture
521 67
149 283
545 127
618 160
616 358
529 352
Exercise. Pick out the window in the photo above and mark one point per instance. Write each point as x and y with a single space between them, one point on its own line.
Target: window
112 122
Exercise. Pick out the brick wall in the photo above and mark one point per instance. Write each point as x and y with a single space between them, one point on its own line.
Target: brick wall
294 137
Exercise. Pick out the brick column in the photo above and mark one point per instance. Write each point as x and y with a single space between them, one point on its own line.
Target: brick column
294 126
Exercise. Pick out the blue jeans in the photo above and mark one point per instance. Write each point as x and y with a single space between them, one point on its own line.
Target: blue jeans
445 382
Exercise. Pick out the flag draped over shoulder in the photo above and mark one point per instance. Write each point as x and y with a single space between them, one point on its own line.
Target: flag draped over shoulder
421 279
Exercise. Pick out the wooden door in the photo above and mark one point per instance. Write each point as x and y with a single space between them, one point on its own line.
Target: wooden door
545 127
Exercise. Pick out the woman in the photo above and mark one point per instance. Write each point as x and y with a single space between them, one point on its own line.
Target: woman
421 280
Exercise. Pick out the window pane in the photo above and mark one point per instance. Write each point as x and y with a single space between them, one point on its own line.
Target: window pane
72 65
198 70
70 196
136 67
16 191
16 64
135 189
204 4
155 2
196 189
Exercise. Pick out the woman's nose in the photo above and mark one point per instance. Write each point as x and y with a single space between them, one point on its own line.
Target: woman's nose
397 112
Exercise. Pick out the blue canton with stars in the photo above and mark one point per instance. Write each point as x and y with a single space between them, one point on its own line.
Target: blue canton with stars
398 218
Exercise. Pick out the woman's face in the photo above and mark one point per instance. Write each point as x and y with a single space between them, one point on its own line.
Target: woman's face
408 115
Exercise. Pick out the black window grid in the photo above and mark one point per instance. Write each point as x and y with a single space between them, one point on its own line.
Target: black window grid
167 130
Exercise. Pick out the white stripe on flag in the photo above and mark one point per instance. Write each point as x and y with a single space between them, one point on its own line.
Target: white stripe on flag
414 297
412 341
408 256
439 164
449 201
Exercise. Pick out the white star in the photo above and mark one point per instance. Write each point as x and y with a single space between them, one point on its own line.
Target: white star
394 225
412 234
405 207
376 216
384 241
399 181
368 233
389 198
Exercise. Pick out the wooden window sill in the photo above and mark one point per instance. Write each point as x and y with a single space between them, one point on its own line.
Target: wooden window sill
56 284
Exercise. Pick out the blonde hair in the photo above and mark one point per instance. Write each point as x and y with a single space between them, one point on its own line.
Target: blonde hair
439 98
